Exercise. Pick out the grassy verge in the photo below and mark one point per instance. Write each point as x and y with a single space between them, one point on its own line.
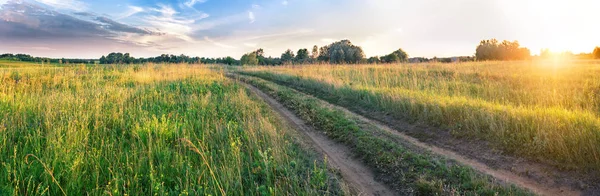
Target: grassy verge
399 167
566 139
145 130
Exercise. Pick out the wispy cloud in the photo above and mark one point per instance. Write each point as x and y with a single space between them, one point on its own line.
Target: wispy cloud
65 4
2 2
132 10
191 3
165 10
210 24
251 17
291 33
169 23
217 43
284 2
250 45
120 27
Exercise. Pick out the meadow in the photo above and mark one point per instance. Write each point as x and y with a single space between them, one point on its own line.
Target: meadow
546 111
154 129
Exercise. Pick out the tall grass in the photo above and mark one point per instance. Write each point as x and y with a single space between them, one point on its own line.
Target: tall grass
547 111
144 130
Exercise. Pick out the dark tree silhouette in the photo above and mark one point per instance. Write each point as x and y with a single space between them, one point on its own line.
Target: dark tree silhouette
493 50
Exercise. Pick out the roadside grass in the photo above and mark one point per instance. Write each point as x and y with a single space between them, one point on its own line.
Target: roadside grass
524 115
396 165
145 130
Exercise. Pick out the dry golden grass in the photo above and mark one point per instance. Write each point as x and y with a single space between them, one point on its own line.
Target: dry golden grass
546 110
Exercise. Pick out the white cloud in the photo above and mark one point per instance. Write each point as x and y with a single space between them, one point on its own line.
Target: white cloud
65 4
165 10
255 6
284 2
210 24
217 43
251 45
191 3
203 16
263 36
251 17
167 22
132 10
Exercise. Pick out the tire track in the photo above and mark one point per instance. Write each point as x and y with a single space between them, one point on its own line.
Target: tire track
360 178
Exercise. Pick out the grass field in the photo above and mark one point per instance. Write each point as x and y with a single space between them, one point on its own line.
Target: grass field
144 130
547 110
175 129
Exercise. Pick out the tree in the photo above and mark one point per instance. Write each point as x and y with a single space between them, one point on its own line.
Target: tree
344 52
260 52
493 50
402 56
395 57
373 60
315 52
249 59
103 60
287 57
229 61
390 58
324 54
596 53
302 56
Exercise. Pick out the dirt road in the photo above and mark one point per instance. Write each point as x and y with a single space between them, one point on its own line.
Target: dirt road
359 178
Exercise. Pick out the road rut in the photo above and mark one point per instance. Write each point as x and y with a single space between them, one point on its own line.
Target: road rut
358 176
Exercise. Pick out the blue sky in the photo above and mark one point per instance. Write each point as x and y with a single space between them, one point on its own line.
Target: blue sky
215 28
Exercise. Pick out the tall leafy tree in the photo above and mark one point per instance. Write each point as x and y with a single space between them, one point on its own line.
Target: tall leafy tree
345 52
324 54
315 52
249 59
287 57
302 56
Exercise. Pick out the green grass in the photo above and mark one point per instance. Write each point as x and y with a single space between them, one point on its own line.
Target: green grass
145 130
546 111
399 167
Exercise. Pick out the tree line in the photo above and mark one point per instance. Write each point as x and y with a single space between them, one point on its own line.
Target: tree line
340 52
29 58
120 58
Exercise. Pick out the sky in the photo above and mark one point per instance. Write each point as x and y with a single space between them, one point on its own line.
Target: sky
218 28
